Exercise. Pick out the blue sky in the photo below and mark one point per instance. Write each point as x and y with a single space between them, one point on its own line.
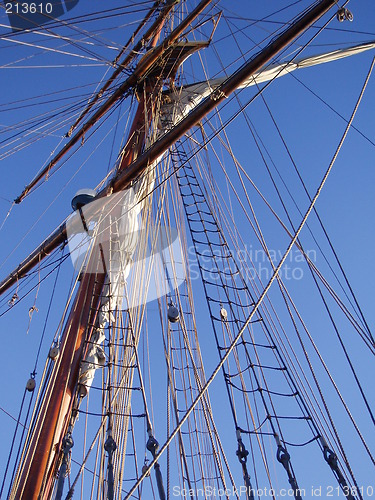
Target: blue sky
308 125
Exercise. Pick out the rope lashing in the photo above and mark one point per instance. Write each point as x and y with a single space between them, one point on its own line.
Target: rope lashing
153 446
331 458
284 458
68 444
242 455
110 447
13 300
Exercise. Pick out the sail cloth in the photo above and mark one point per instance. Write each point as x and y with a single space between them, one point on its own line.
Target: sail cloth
180 101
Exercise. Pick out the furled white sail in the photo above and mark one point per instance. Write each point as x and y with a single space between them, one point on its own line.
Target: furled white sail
182 100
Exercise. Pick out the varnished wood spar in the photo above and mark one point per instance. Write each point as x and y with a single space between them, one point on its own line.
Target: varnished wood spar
122 180
131 82
57 238
133 53
218 95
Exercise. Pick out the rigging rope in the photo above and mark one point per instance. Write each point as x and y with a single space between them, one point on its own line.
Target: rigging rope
320 220
258 303
191 181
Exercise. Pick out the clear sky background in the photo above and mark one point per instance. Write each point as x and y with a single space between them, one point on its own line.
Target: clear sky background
42 75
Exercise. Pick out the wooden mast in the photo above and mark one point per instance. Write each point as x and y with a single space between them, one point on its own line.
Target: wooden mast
160 146
43 449
132 81
36 474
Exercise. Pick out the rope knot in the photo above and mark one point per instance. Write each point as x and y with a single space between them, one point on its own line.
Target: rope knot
242 452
